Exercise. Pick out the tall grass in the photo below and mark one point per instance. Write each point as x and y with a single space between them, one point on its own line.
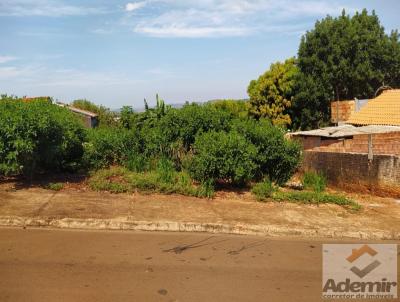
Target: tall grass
314 181
162 180
263 190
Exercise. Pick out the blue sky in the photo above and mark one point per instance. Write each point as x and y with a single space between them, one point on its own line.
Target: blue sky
118 52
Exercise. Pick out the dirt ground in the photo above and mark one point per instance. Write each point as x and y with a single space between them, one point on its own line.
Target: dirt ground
379 217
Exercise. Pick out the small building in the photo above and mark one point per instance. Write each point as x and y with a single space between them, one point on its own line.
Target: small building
364 149
90 119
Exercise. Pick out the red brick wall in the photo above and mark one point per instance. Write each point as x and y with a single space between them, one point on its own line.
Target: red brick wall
382 143
346 108
347 169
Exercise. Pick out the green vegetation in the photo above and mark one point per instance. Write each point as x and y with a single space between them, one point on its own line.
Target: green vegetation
314 181
55 186
163 180
316 198
37 136
212 145
238 108
226 156
109 146
314 184
272 94
264 190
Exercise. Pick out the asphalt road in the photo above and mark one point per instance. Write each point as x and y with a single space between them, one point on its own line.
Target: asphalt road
60 265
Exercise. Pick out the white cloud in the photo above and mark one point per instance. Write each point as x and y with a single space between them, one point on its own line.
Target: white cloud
129 7
102 31
226 18
177 31
45 8
5 59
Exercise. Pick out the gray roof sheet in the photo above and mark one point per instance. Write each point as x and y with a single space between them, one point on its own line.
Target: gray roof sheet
347 130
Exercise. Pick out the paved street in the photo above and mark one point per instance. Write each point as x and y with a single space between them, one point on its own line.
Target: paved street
63 265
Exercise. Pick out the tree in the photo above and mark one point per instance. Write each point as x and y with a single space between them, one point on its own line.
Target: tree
340 59
237 108
272 93
127 117
38 136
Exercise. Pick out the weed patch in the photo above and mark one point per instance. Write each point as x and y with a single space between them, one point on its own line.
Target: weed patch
263 190
314 181
55 186
310 197
161 180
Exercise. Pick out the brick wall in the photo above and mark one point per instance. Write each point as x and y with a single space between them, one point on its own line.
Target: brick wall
341 114
355 169
382 143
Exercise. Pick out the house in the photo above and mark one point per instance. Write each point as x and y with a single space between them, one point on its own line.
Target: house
364 149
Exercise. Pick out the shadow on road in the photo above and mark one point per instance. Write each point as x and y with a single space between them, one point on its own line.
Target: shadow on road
181 248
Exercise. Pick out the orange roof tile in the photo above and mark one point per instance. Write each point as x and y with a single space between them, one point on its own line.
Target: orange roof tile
383 110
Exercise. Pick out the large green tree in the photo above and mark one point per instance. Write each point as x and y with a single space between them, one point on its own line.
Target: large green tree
340 59
272 93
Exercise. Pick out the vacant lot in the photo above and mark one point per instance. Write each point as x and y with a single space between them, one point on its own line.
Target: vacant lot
378 218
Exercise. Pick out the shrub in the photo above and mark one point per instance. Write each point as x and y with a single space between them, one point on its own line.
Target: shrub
109 146
237 108
165 170
37 136
185 123
222 156
277 158
316 198
314 181
57 186
137 162
206 189
263 190
115 180
121 180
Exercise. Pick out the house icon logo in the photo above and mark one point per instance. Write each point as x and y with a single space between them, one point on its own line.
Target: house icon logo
357 253
359 271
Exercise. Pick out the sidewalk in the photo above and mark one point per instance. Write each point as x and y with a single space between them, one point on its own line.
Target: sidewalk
234 214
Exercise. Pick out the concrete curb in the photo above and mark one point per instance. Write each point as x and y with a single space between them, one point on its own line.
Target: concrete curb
171 226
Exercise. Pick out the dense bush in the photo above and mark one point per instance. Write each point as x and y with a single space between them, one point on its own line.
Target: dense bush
37 136
184 124
277 158
211 144
223 156
237 108
108 146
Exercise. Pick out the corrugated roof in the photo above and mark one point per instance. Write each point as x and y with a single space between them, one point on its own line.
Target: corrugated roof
77 110
383 110
84 112
347 130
